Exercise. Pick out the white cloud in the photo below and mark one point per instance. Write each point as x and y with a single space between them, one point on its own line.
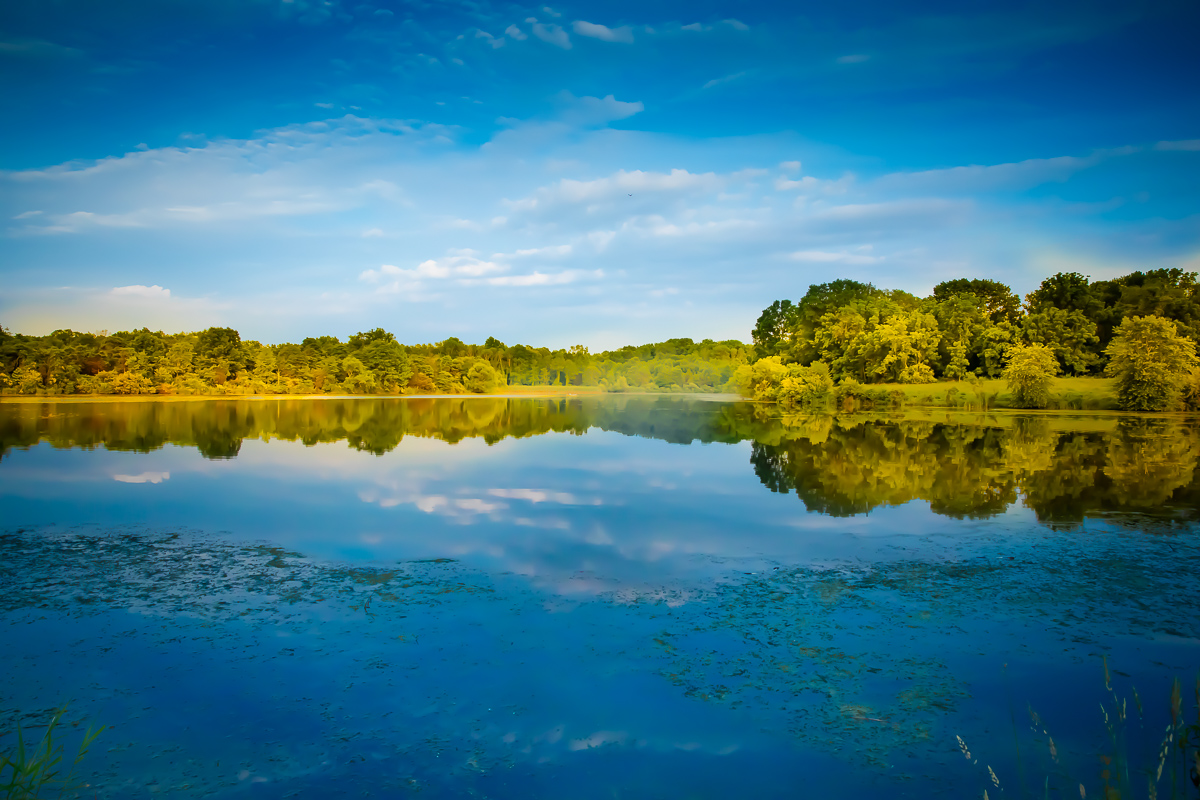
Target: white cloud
737 25
391 279
1182 144
151 292
601 239
808 183
1015 176
553 34
727 79
496 41
550 250
543 496
621 183
623 34
542 279
516 33
606 217
144 477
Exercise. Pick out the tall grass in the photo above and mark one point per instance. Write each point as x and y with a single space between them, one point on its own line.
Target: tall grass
29 773
1171 771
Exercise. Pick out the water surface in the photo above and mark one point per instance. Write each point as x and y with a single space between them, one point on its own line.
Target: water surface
588 597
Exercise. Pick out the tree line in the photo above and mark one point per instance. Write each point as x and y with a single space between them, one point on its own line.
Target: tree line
847 332
217 361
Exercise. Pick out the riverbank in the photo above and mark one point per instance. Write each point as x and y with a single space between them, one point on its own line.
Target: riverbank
508 391
1076 394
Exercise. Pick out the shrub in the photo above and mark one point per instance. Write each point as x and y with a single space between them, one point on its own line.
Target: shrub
1151 362
805 386
1029 371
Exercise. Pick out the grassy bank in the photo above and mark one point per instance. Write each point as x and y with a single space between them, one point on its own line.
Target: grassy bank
505 391
1085 394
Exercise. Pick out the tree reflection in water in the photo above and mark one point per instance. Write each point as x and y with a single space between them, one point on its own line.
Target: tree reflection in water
964 465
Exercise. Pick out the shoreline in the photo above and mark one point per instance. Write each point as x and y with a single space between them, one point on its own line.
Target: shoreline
509 393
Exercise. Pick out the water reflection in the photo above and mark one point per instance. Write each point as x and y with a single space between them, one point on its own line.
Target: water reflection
963 465
511 597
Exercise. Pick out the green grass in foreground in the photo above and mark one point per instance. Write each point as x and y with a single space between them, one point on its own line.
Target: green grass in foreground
29 772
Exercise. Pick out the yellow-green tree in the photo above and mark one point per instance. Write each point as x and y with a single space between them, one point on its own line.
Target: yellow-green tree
1030 370
1151 362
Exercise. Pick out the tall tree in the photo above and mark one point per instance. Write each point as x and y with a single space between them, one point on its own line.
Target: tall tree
997 300
774 327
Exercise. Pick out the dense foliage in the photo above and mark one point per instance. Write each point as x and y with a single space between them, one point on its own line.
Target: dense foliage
218 361
1029 371
965 329
1151 362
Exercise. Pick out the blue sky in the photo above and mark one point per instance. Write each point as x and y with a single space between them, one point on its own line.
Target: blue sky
592 173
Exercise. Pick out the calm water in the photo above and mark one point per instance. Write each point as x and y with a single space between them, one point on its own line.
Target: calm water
590 598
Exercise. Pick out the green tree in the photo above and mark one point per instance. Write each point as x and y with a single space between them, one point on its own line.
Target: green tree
481 378
996 299
1151 362
1069 291
359 379
1070 334
900 347
27 379
1029 373
774 327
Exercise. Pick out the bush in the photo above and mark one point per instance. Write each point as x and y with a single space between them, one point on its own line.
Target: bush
805 386
770 380
1152 363
481 378
1029 372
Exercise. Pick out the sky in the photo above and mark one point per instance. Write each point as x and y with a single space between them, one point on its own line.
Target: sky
594 173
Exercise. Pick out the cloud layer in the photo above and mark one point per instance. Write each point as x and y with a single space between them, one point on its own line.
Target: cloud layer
560 177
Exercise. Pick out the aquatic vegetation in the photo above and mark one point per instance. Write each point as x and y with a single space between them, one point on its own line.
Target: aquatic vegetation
27 773
1127 769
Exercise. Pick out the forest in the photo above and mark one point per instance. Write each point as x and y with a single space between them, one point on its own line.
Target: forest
841 333
217 361
1140 329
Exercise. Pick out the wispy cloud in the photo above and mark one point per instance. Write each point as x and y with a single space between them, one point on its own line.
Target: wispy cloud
595 31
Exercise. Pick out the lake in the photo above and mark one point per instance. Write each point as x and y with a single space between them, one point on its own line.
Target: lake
598 597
